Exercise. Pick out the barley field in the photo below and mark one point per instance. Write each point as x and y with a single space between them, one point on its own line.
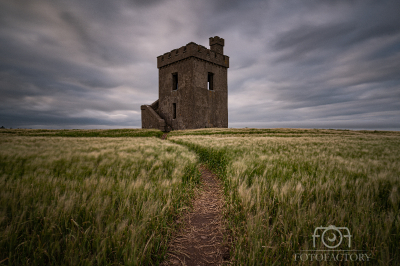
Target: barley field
91 201
113 133
281 184
110 197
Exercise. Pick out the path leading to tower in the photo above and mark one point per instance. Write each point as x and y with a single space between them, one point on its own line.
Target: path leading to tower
201 239
164 136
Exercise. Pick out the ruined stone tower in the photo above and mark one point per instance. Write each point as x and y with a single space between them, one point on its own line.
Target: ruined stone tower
193 89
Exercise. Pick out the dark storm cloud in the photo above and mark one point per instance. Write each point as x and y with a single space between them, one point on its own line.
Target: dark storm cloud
91 64
60 121
310 38
328 68
145 3
62 60
307 38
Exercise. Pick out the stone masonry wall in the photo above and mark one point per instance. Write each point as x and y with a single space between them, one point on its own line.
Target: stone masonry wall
150 119
182 97
210 107
196 105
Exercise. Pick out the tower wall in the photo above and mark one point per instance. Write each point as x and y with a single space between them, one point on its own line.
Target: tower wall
192 104
210 106
182 97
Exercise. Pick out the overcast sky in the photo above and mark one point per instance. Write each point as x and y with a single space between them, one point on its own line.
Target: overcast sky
303 64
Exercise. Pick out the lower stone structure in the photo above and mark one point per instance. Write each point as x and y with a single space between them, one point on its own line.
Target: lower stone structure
151 119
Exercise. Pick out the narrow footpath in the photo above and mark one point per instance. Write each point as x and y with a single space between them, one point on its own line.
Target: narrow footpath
164 136
201 240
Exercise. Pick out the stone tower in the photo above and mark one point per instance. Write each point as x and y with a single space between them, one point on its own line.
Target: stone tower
193 89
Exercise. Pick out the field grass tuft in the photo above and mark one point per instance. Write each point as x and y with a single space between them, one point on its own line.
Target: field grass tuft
279 189
109 133
110 197
91 201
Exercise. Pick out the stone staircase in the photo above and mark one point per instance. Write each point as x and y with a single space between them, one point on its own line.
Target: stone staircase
154 120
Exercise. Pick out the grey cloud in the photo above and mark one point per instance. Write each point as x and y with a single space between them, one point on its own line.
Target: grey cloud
93 63
235 5
369 21
109 52
308 38
145 3
44 119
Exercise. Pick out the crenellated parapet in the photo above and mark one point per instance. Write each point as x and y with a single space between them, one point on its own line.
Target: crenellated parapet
217 44
194 50
216 41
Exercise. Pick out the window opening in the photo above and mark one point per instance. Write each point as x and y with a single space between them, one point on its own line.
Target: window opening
210 82
174 81
174 110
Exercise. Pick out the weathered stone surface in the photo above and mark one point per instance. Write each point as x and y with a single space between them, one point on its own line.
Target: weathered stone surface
150 119
192 104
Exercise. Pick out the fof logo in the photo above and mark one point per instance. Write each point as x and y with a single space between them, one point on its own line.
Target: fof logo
332 236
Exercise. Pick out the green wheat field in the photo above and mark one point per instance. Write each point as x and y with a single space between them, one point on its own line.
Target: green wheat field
111 197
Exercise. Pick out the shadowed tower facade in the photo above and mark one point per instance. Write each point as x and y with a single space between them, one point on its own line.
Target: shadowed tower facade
193 89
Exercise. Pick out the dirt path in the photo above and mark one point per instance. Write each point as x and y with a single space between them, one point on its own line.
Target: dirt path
164 136
200 241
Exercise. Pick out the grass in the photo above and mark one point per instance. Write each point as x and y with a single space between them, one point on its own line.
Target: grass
84 200
113 133
91 201
278 132
279 189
